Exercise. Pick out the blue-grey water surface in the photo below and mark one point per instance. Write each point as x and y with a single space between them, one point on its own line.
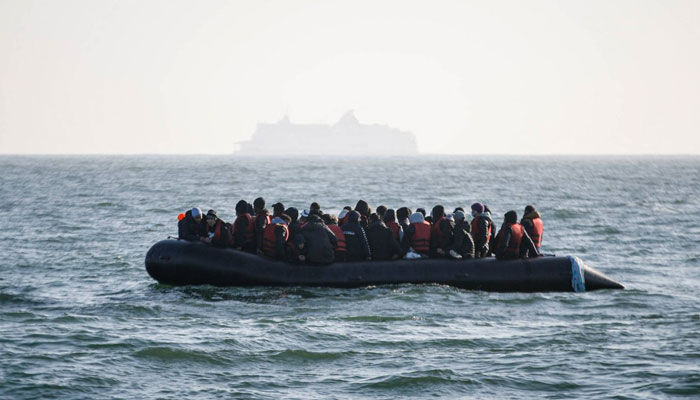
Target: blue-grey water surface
81 318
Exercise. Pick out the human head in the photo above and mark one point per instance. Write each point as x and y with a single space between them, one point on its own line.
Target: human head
354 216
304 216
416 218
343 213
403 213
458 216
197 214
421 210
381 210
241 207
293 213
211 217
373 218
511 217
287 220
477 208
326 218
362 207
389 215
438 212
529 209
259 203
315 206
458 209
277 209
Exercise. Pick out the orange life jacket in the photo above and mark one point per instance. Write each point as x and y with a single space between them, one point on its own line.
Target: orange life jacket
475 229
536 231
269 245
517 232
436 234
249 232
395 228
338 232
420 241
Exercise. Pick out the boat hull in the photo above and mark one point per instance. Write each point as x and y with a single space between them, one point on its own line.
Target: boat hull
178 262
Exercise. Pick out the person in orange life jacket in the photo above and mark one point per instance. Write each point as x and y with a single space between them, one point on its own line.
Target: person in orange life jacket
356 239
381 240
275 237
390 222
294 226
512 241
319 241
277 210
343 216
243 229
402 217
462 245
417 235
191 228
492 240
365 210
262 218
440 232
532 222
218 231
481 228
380 212
331 222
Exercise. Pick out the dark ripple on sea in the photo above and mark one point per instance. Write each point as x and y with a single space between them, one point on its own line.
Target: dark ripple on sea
80 318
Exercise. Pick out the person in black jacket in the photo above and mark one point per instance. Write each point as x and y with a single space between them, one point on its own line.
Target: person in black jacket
218 231
365 210
243 229
294 226
462 245
381 240
191 227
356 239
319 241
481 229
402 215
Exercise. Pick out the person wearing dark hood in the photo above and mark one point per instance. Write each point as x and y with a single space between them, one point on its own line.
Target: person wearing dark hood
417 235
356 239
532 222
462 245
191 228
512 241
341 249
381 240
262 219
275 237
380 212
390 222
365 210
319 241
440 232
294 226
402 215
481 227
316 207
243 229
219 232
277 210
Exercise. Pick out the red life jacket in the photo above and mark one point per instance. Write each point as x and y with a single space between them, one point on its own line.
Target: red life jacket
420 241
395 228
250 230
437 236
475 229
222 235
338 232
269 245
536 231
517 232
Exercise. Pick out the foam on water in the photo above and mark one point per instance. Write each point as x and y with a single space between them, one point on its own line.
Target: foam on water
80 318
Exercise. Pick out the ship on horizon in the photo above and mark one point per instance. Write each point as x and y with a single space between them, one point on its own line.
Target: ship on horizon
347 137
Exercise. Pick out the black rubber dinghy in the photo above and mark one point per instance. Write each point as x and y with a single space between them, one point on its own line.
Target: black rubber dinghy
178 262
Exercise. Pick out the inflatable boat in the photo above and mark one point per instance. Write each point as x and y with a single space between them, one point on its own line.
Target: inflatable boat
178 262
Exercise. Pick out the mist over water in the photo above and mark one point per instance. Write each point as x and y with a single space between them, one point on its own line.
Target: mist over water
81 318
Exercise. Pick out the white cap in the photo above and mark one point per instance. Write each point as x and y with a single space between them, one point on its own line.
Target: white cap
416 217
343 213
305 214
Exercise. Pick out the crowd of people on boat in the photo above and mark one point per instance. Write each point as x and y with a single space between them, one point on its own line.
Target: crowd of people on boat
360 233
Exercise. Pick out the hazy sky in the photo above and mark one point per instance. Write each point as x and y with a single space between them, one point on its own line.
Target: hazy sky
517 77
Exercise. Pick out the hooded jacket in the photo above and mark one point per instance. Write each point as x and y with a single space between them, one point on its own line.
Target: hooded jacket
462 242
355 239
319 242
189 229
382 243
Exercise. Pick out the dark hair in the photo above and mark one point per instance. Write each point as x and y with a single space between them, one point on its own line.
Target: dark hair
362 207
428 219
529 209
278 208
314 206
438 212
242 207
326 218
286 218
293 213
389 215
353 216
458 209
259 203
403 213
381 210
511 217
373 218
347 208
421 210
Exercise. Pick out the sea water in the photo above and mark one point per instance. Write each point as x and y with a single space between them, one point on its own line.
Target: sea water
81 318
